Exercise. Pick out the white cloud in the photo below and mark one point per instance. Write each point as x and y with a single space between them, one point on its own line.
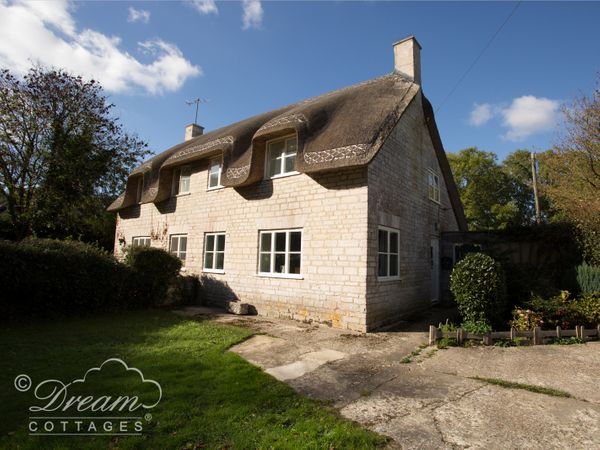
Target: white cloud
253 14
46 33
528 115
481 114
204 6
138 15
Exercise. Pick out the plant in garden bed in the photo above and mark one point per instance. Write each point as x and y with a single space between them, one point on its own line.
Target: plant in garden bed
478 285
567 341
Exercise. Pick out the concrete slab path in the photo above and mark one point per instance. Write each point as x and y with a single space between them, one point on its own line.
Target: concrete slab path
433 402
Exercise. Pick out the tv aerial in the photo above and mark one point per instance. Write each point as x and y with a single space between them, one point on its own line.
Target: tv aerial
197 102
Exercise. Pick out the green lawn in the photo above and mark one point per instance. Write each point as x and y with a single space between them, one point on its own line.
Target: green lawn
211 398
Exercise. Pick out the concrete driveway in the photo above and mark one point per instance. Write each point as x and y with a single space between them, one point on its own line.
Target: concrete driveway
433 402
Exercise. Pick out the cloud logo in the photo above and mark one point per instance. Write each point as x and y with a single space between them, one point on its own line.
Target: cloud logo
86 393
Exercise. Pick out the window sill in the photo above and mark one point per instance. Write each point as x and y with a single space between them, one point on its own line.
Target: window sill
213 271
291 276
183 194
386 279
284 175
435 201
215 188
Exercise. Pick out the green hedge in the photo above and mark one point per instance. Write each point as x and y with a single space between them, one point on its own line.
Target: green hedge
479 288
50 278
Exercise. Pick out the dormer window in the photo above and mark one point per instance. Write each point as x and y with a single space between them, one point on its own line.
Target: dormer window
215 166
181 180
139 189
281 156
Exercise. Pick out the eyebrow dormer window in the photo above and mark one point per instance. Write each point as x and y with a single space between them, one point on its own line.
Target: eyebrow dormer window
214 173
281 155
181 180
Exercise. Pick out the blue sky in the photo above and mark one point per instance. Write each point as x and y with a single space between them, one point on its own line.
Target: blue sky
249 57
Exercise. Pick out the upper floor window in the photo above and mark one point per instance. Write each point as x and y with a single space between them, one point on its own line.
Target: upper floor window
214 252
280 253
433 181
388 253
178 246
181 180
215 167
141 241
281 156
139 189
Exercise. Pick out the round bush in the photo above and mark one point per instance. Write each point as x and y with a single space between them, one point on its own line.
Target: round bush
157 271
478 285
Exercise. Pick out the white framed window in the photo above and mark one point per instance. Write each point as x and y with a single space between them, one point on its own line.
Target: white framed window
215 166
178 246
433 183
281 156
280 253
140 241
181 180
139 189
214 252
388 253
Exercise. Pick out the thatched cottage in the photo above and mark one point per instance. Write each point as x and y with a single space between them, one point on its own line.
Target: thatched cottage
329 209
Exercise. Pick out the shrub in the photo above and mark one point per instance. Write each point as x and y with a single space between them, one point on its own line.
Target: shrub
478 285
588 309
525 319
588 279
157 271
476 327
45 278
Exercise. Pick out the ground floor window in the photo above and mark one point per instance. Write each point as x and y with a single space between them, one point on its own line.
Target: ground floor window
178 246
214 252
280 253
388 261
141 241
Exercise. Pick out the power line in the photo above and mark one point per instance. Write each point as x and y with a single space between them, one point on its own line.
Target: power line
478 56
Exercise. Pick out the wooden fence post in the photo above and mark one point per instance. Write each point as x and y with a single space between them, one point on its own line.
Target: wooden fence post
513 334
598 331
578 331
487 338
432 335
558 331
460 336
537 336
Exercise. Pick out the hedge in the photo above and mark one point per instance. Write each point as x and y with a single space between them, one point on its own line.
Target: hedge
50 278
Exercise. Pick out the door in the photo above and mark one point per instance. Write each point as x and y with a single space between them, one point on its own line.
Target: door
435 270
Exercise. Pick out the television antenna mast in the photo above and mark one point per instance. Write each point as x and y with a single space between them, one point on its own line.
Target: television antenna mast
197 102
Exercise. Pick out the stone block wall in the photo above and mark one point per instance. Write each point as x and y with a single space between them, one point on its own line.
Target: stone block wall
331 210
398 198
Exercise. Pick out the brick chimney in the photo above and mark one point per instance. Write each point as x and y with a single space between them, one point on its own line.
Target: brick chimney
407 59
193 130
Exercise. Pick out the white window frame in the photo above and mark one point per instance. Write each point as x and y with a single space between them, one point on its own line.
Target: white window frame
389 252
281 156
139 189
214 251
433 186
147 241
178 174
219 159
177 252
287 253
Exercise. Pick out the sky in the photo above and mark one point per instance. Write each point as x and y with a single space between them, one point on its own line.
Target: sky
252 56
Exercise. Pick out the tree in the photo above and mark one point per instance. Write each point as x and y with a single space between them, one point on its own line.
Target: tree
63 155
573 171
486 191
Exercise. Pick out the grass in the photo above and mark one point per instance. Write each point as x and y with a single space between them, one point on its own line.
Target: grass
211 398
526 387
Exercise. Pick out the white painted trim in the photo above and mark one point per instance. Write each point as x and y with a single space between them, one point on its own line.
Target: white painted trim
388 253
268 157
219 271
287 252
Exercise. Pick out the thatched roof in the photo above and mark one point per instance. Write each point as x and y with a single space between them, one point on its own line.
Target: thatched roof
343 128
